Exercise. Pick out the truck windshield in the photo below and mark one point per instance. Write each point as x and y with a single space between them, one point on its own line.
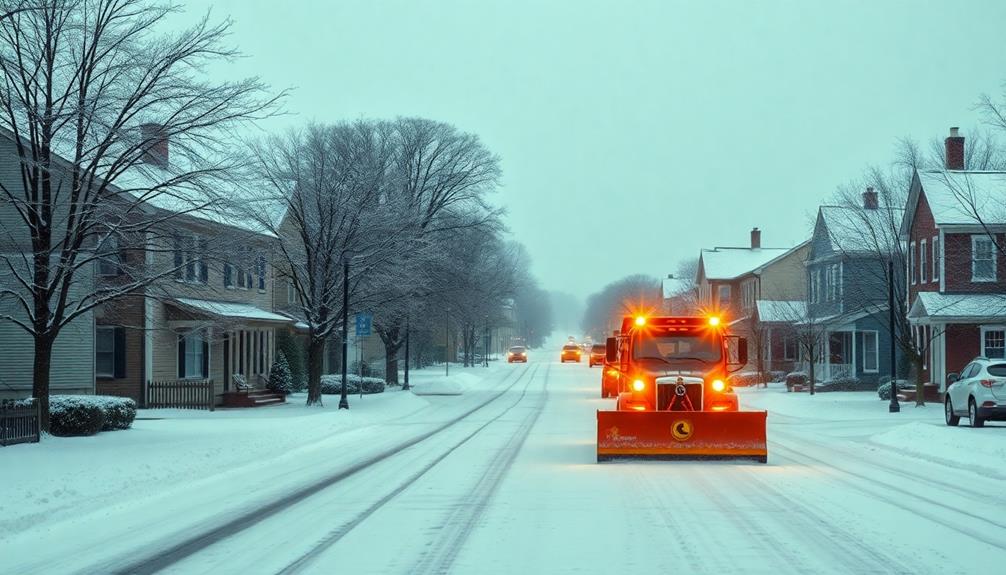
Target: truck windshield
677 347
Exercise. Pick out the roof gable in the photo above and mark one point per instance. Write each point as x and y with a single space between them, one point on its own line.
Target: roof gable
956 197
727 264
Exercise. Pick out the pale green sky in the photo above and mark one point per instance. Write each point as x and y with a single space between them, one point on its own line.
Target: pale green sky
633 134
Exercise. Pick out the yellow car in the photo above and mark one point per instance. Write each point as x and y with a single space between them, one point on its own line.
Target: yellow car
570 352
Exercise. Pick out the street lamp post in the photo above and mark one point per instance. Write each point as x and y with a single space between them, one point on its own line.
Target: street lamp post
405 384
447 343
894 407
344 399
485 357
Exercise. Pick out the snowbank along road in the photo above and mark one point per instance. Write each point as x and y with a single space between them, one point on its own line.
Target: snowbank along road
504 481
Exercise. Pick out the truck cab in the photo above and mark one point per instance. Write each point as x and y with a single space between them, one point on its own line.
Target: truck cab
673 364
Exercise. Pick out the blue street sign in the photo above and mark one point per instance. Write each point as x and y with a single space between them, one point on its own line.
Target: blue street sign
363 324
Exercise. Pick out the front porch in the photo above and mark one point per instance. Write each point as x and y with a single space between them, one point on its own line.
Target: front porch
847 352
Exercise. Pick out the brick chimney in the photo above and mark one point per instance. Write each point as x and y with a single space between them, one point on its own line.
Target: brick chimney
870 199
155 142
755 238
955 150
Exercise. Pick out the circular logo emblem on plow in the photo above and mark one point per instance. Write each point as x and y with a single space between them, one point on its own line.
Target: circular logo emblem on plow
682 429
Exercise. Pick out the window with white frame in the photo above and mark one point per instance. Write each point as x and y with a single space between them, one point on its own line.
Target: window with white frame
871 352
994 342
193 351
833 282
911 262
748 294
291 292
723 293
983 258
923 261
190 258
789 348
260 271
228 275
936 258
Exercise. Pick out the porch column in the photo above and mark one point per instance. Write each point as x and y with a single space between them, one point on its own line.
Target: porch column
854 351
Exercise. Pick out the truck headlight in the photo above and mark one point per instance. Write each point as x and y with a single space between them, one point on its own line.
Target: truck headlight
718 385
639 385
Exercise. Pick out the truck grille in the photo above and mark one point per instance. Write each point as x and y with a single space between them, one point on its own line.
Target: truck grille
667 391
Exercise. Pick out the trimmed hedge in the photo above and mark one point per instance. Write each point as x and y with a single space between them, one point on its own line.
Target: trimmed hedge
82 415
796 378
332 384
746 379
884 390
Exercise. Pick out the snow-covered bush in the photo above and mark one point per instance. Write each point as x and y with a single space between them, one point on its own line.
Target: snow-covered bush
119 412
746 379
74 415
842 384
280 378
778 376
332 384
795 378
884 390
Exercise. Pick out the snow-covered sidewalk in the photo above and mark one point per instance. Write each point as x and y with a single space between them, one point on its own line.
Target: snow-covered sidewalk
171 451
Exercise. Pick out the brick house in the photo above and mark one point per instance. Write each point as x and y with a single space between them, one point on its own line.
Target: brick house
955 229
847 288
731 280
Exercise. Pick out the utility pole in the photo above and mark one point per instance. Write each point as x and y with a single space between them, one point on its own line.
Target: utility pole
485 357
447 343
344 399
894 407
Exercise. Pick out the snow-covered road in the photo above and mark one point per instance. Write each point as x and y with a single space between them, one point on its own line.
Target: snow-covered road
503 480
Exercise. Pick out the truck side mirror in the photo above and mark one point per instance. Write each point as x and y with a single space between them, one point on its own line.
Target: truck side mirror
742 350
611 350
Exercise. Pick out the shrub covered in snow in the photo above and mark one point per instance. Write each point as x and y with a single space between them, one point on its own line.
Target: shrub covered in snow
74 415
119 412
843 384
280 378
746 379
884 390
778 376
796 378
332 384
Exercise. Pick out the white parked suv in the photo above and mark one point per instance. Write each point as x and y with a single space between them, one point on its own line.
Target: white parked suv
978 393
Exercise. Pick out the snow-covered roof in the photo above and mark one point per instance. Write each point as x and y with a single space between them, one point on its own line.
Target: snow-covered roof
954 196
231 310
935 305
731 263
675 286
855 229
781 311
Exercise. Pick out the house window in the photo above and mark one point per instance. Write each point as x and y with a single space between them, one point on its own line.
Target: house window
815 293
923 263
871 352
110 263
983 259
190 259
291 292
724 295
831 282
193 355
994 343
748 294
260 271
108 352
228 275
936 258
911 262
789 348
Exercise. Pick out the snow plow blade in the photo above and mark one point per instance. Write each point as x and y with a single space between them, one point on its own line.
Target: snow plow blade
681 435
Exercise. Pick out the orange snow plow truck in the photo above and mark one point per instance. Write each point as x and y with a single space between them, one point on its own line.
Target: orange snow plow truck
673 401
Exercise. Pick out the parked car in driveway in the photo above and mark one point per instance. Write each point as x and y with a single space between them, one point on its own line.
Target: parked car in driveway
978 393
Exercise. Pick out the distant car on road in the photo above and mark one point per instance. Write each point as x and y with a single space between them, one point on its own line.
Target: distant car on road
597 353
978 393
570 352
516 353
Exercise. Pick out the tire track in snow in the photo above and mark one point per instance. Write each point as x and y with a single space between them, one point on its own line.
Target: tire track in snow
460 524
811 525
306 560
885 488
202 539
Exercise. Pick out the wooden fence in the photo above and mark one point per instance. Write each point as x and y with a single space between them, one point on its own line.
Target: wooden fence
18 422
181 394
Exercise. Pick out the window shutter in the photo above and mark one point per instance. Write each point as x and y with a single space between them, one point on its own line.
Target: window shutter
181 356
120 352
206 356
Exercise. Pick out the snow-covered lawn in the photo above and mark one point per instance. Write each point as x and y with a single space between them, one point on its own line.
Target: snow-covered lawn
863 417
62 478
